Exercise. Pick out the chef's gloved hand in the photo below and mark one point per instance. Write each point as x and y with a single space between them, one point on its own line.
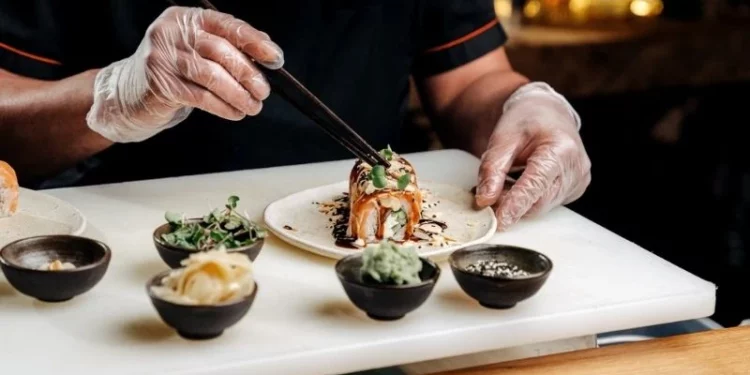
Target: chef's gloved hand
189 58
538 130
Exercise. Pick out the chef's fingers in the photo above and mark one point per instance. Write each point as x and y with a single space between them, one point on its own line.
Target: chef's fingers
235 62
542 168
216 79
551 198
246 38
559 194
579 189
198 97
494 167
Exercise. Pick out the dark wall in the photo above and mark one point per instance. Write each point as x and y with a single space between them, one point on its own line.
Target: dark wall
683 194
683 9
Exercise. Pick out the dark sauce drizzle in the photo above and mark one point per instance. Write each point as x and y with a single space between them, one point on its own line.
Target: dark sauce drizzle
341 225
441 224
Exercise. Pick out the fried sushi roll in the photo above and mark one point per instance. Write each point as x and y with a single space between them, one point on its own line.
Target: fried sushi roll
384 204
8 190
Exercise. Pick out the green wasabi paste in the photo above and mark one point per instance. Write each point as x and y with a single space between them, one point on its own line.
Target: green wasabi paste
388 263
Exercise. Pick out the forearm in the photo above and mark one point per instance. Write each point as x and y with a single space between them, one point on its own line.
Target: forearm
43 123
470 118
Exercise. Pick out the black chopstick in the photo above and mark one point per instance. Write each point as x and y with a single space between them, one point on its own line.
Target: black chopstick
291 89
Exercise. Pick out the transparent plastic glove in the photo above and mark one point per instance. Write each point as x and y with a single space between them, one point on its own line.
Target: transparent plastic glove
189 58
538 130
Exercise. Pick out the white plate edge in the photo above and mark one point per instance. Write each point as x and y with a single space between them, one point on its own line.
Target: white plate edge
84 221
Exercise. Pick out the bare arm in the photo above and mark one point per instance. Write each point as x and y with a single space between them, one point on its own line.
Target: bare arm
466 103
190 58
43 123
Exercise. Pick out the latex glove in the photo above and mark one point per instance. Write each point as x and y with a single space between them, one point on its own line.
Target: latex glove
189 58
538 130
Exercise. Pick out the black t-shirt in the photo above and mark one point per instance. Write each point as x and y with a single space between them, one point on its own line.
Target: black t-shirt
356 55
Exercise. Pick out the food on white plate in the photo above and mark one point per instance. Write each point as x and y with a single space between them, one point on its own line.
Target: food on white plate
57 265
209 278
385 204
223 226
8 190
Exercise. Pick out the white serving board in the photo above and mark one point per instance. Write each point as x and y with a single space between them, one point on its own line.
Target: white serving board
301 321
297 220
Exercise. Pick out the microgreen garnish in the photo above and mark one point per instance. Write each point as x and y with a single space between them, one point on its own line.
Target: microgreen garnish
221 227
403 181
387 153
378 176
174 218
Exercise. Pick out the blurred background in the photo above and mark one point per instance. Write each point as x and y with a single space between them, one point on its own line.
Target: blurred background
661 86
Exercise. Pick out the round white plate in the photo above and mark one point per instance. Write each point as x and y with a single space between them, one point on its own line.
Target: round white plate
309 227
40 214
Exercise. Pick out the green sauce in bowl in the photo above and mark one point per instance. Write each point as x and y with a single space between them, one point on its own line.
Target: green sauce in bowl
388 263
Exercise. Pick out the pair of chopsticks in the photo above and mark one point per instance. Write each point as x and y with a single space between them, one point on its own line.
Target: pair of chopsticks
283 83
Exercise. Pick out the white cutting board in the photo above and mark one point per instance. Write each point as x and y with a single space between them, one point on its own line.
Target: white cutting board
301 321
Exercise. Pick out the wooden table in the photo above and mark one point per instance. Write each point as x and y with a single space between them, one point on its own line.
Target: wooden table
712 352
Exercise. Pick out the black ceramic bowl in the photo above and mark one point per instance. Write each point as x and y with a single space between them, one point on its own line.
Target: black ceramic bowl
199 322
500 292
173 255
19 261
385 302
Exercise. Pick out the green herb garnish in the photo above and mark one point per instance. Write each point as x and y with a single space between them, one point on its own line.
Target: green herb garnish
174 218
387 153
221 227
403 181
377 175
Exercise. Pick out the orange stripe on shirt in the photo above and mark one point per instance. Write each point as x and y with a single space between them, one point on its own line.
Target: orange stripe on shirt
463 38
29 55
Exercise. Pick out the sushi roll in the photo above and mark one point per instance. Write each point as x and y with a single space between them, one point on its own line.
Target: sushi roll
8 190
384 204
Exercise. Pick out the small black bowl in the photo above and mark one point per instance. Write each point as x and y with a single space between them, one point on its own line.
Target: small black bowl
19 261
385 302
500 292
173 255
199 322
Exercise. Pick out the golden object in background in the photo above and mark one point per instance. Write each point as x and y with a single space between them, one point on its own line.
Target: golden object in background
646 8
581 12
504 9
532 8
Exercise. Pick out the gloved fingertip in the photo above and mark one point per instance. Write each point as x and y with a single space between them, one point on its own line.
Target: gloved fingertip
255 106
484 189
260 87
485 194
275 55
483 201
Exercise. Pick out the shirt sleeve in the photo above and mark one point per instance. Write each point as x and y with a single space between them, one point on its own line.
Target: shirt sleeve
30 43
47 39
455 32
